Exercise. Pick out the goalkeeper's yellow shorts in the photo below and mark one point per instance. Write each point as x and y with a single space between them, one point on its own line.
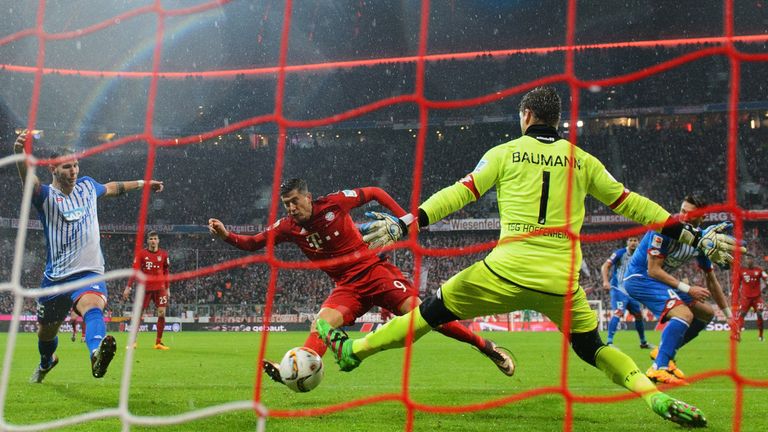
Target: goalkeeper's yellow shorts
477 291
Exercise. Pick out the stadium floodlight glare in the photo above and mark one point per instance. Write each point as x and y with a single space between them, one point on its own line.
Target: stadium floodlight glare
36 133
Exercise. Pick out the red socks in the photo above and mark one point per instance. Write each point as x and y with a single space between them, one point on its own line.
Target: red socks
160 328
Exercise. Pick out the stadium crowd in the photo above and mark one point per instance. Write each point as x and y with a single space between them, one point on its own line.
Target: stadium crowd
241 291
655 160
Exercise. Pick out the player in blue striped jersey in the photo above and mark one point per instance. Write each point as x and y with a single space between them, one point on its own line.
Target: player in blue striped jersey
67 209
682 306
621 302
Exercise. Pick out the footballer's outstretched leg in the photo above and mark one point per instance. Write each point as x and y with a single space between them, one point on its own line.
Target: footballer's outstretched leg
340 345
677 411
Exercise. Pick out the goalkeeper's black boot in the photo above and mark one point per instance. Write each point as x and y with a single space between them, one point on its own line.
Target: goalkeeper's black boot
501 357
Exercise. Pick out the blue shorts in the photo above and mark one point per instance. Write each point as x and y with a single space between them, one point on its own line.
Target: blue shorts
657 296
55 308
621 302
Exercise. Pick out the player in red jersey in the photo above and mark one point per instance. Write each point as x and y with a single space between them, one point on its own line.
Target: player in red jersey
324 230
153 261
750 295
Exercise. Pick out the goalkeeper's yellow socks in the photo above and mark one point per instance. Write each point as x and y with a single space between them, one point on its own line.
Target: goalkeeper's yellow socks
391 335
622 370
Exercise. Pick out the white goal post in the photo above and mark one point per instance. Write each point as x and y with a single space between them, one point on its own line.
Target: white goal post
597 305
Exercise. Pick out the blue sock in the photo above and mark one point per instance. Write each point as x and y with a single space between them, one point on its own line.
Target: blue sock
671 338
47 348
696 327
640 327
95 329
613 324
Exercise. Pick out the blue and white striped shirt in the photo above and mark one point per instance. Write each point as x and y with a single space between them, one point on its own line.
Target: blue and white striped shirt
620 262
71 225
675 254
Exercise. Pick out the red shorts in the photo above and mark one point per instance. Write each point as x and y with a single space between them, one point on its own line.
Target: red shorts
382 285
671 304
751 302
159 297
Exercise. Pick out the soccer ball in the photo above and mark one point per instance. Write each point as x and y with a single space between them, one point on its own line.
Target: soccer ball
301 369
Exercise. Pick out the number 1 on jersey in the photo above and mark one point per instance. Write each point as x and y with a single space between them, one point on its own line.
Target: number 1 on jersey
544 197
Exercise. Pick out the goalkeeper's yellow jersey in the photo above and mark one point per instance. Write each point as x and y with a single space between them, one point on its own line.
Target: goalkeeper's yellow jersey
531 179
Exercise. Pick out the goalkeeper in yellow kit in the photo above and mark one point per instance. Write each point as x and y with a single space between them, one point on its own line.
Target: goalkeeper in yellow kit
533 266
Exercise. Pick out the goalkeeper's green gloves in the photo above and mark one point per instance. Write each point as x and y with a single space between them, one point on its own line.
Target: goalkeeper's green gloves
713 241
385 230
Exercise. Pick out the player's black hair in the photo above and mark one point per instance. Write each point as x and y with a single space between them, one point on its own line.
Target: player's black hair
624 243
696 200
294 184
62 152
544 103
152 234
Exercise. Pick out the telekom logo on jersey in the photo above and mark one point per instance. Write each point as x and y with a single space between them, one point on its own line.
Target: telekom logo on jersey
315 240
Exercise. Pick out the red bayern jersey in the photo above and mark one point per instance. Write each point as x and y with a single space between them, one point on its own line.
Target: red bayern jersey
749 279
153 264
329 233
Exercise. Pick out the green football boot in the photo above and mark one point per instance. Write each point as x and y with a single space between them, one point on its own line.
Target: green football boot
339 344
677 411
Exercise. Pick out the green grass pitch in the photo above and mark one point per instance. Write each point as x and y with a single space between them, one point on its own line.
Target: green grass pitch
206 369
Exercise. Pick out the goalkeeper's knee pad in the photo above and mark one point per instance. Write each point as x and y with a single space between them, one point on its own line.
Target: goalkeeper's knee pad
434 312
586 345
